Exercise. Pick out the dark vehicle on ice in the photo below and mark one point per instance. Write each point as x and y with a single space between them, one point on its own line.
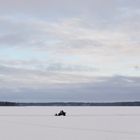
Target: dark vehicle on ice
61 113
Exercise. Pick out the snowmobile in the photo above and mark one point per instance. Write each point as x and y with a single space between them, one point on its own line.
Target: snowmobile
61 113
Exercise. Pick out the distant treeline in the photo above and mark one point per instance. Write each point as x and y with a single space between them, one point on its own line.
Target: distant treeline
71 104
8 104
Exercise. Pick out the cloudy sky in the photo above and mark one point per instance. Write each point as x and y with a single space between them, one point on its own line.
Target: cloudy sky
69 50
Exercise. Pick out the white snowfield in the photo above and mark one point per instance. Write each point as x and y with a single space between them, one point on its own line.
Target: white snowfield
81 123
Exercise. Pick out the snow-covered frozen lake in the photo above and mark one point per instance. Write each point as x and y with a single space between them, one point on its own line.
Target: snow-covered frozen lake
81 123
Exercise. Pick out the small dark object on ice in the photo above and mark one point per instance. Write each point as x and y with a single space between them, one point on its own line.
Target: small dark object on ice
61 113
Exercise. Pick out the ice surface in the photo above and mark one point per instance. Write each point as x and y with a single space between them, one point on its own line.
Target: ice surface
81 123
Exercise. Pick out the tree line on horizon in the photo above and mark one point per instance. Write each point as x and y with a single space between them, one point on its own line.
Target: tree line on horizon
5 103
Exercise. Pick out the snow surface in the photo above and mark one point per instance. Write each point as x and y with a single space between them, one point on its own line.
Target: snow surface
81 123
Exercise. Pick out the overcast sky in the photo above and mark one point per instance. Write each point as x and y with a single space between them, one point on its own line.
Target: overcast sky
69 50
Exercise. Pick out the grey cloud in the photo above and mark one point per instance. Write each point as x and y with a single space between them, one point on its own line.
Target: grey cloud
122 89
30 5
66 34
70 68
83 43
35 33
15 32
137 67
105 10
11 76
44 66
12 39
